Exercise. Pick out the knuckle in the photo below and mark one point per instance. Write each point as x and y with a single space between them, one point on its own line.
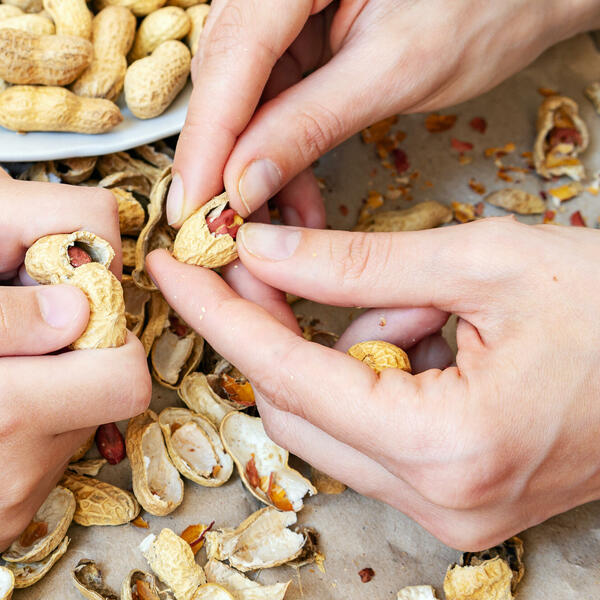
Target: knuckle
318 130
360 258
106 204
226 34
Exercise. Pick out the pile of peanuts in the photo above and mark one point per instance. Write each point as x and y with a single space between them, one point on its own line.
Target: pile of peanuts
63 66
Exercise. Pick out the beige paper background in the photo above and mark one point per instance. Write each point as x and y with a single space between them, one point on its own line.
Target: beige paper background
562 555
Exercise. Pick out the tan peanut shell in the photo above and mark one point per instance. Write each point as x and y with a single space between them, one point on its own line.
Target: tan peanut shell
28 6
245 439
261 541
156 232
140 8
76 170
7 583
3 86
156 481
550 164
125 162
153 82
131 213
212 591
380 355
87 578
185 3
198 15
160 159
196 245
34 24
82 450
113 30
424 215
417 592
158 319
136 300
326 484
7 11
490 579
172 559
240 586
198 396
128 252
56 513
89 467
129 586
518 201
71 17
195 447
36 108
100 503
29 58
28 574
167 23
592 93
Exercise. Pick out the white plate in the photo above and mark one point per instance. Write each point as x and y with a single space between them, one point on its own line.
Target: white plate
26 147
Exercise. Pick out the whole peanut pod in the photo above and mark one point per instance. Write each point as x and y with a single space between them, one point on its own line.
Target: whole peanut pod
35 24
27 58
140 8
36 108
198 15
168 23
152 83
28 6
71 17
113 31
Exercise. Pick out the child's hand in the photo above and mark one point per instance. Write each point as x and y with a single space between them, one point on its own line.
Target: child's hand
49 405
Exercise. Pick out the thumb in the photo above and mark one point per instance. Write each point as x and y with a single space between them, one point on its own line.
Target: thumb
40 319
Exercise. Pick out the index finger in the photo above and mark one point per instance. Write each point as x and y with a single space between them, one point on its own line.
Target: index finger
241 43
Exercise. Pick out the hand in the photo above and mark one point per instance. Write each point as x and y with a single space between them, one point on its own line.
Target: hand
49 405
371 59
474 452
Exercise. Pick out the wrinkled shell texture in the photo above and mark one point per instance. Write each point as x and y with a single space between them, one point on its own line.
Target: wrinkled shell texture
488 581
518 201
156 481
87 578
28 58
244 437
57 512
153 82
424 215
198 15
131 213
140 8
568 164
100 503
34 108
199 397
196 245
7 583
89 467
240 586
71 17
27 574
172 559
76 170
34 24
417 592
212 591
158 315
262 541
380 355
195 447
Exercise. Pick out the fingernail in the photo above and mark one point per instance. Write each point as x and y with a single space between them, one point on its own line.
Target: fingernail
258 183
175 200
290 216
59 305
269 242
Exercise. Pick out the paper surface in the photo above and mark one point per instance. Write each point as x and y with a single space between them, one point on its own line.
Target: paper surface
561 555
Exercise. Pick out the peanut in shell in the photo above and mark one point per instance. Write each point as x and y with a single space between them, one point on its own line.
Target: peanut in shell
380 355
87 578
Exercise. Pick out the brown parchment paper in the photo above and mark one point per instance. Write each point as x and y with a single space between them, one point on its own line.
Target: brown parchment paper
562 555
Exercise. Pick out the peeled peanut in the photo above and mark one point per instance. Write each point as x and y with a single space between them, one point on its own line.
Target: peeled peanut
71 17
113 30
28 58
33 108
140 8
198 15
168 23
152 83
31 23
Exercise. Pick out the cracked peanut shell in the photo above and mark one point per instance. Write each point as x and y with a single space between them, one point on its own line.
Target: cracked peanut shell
139 585
51 522
490 580
89 467
7 583
380 355
131 213
195 447
136 300
262 464
196 245
158 319
425 215
156 482
172 559
261 541
98 502
199 396
519 201
87 578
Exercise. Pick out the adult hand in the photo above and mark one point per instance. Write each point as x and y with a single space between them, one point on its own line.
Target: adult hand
371 59
474 452
50 404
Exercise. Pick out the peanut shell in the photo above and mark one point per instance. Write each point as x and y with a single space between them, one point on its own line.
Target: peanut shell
425 215
35 24
592 92
380 355
82 450
198 15
195 447
158 319
128 252
87 578
89 467
99 503
131 213
76 170
140 8
258 458
261 541
71 17
56 513
27 574
129 587
199 397
125 162
156 482
196 245
136 301
212 591
7 11
417 592
7 583
326 484
518 201
490 579
172 559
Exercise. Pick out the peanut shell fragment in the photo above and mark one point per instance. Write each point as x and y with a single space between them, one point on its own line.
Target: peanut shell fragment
139 585
89 467
417 592
490 579
518 201
7 583
380 355
198 396
87 578
326 484
99 503
136 300
425 215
